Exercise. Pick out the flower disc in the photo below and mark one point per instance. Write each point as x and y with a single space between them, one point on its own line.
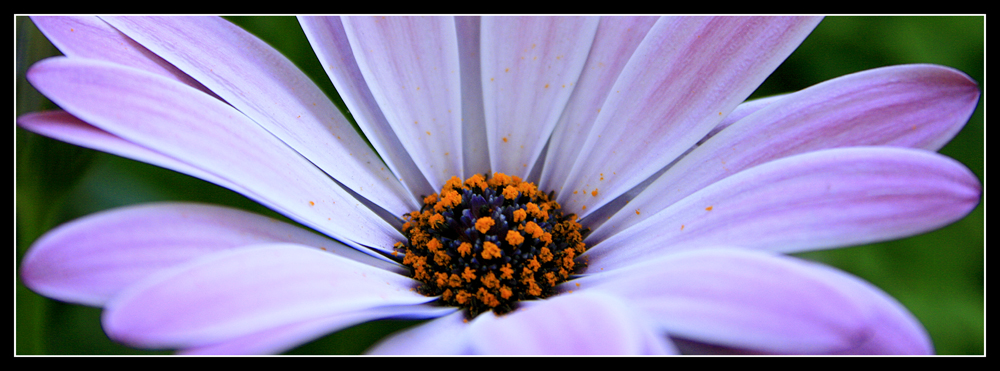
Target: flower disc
487 243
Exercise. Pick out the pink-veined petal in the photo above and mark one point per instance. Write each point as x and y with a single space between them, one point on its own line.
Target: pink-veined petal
232 294
569 324
917 106
411 67
92 38
269 89
763 303
327 37
279 339
183 123
91 259
741 111
530 66
824 199
685 77
615 41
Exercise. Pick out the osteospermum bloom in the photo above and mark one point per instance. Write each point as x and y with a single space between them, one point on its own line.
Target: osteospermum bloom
597 111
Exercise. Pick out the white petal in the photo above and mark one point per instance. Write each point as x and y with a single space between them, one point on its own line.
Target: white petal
824 199
581 323
684 78
183 123
327 37
279 339
530 66
92 38
442 336
916 106
765 303
615 41
63 126
90 260
232 294
477 156
264 85
411 67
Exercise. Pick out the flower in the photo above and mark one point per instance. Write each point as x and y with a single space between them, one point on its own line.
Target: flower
830 166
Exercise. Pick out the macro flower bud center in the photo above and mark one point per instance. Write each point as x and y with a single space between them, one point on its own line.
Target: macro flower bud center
485 244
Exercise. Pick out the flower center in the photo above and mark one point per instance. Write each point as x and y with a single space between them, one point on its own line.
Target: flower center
485 244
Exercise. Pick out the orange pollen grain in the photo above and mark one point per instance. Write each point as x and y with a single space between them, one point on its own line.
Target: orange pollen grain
434 245
487 298
468 274
490 281
510 192
484 224
533 229
545 255
514 238
551 277
476 181
453 183
465 248
454 280
506 272
519 215
490 250
431 199
435 220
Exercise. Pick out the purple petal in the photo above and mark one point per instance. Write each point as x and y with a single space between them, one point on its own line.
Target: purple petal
232 294
917 106
530 66
579 323
615 41
445 335
411 67
763 303
327 37
823 199
63 126
90 260
265 86
896 331
474 142
185 124
279 339
686 75
743 110
92 38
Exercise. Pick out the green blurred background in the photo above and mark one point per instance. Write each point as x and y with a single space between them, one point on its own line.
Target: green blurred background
939 276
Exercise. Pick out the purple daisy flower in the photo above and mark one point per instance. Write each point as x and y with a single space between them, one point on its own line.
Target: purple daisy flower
602 112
